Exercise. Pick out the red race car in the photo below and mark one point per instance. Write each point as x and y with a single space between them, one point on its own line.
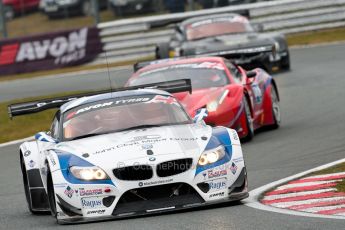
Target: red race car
244 101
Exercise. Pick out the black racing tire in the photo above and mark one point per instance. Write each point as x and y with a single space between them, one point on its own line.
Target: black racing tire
51 194
275 108
285 62
162 50
26 186
249 121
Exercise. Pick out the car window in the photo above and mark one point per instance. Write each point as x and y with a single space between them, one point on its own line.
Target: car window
203 75
215 27
54 129
234 72
118 114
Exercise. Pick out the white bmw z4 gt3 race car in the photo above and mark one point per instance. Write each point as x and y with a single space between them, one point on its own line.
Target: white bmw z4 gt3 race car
128 153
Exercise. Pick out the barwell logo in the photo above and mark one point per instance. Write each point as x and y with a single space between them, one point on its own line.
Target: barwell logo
64 49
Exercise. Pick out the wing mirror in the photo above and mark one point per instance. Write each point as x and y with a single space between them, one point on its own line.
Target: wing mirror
251 74
45 137
200 115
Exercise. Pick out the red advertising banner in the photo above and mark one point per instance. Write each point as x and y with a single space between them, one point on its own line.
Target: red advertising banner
49 51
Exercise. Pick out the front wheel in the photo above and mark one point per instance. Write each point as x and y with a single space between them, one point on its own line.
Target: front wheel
275 108
249 121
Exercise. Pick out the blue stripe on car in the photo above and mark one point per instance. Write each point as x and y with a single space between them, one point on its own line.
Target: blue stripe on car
220 136
67 160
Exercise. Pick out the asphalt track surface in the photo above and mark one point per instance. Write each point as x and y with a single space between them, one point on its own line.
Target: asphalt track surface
312 134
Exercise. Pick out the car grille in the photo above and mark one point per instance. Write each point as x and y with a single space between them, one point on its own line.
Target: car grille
170 168
156 197
132 173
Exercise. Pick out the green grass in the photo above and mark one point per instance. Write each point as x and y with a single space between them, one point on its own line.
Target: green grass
316 37
37 23
28 125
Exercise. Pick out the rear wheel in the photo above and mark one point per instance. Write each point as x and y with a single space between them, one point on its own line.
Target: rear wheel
249 121
275 108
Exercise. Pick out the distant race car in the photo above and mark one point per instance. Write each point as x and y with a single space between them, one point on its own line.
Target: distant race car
230 36
244 101
128 153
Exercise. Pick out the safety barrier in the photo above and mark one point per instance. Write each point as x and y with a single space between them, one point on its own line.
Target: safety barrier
133 39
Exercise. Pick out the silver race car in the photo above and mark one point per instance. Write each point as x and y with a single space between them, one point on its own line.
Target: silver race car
128 153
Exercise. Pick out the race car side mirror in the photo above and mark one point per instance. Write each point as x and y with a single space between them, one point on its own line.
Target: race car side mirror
42 136
200 115
251 74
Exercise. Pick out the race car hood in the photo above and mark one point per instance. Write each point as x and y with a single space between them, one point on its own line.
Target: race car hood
199 98
226 42
137 146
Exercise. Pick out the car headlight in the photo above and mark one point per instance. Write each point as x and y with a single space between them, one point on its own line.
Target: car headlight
88 173
211 156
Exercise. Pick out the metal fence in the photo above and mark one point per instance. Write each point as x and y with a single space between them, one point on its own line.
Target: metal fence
134 39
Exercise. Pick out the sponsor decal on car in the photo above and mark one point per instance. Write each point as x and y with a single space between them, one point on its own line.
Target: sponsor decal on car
147 146
32 163
90 192
237 160
92 202
107 104
60 185
69 192
218 194
233 168
234 134
141 140
217 185
216 173
101 211
141 184
146 137
27 153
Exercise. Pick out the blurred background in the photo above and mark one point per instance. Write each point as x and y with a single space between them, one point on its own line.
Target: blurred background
28 17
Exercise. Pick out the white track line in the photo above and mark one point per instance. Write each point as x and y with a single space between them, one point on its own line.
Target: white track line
302 202
16 142
323 208
254 195
325 175
288 186
294 194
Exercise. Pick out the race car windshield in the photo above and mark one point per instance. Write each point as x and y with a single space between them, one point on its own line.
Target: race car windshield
216 29
113 115
201 77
